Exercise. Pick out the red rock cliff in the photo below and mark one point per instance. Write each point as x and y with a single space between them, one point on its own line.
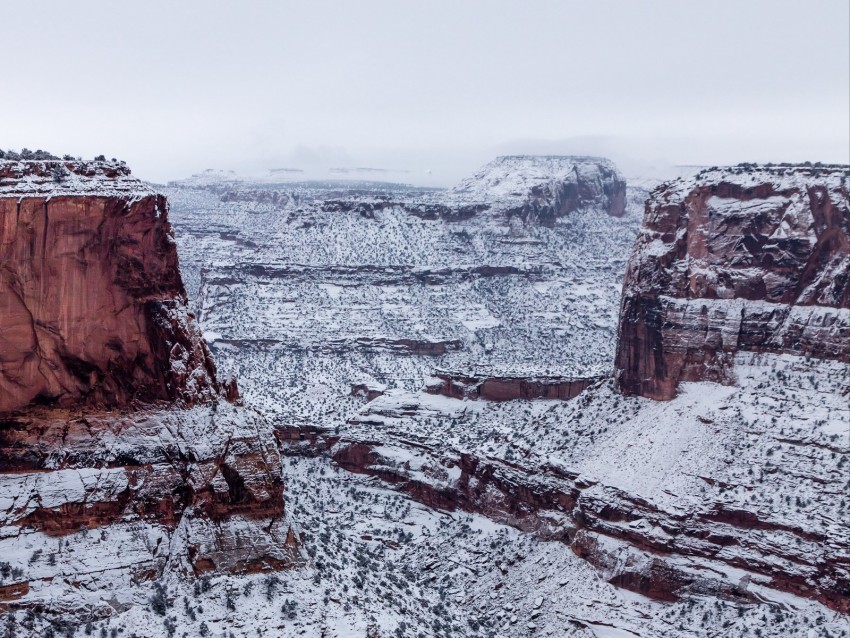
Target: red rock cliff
93 317
738 259
92 307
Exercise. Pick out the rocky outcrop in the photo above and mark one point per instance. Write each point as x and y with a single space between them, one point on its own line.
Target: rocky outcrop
93 505
633 543
445 212
458 385
69 471
368 390
749 258
537 189
542 188
92 307
116 438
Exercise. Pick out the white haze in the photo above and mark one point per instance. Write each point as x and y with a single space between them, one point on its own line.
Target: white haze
432 88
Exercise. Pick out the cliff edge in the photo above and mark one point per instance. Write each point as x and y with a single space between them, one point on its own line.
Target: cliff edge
92 307
746 258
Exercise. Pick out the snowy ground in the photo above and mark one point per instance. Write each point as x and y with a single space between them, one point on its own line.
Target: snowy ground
381 564
301 303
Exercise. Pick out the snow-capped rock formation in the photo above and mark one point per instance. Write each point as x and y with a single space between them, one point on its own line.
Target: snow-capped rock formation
92 307
741 259
691 497
535 190
120 457
543 188
114 500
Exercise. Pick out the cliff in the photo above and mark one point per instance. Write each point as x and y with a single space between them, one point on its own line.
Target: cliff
92 307
542 188
670 525
741 259
97 349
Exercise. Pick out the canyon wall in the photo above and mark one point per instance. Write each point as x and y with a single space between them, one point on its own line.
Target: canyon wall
739 259
633 542
111 415
92 307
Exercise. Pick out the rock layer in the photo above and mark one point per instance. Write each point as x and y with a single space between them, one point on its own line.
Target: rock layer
92 307
461 385
752 259
93 315
633 543
116 500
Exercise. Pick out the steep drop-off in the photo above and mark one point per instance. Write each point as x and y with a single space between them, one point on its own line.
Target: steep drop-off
740 259
92 307
112 416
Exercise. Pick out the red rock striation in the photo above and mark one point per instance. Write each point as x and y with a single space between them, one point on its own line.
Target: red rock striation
154 465
458 385
633 543
740 259
92 307
97 349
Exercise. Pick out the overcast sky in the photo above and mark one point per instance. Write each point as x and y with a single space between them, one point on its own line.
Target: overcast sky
176 87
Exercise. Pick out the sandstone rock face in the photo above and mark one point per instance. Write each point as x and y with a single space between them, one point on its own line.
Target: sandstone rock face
461 385
92 307
69 471
741 259
112 501
631 541
100 468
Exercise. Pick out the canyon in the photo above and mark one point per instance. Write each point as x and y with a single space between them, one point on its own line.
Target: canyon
478 433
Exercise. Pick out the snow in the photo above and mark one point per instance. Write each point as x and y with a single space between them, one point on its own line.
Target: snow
302 303
513 177
80 179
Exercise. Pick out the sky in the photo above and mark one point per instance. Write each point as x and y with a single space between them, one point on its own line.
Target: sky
429 89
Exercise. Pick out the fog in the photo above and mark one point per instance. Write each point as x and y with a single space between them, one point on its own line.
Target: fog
427 89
